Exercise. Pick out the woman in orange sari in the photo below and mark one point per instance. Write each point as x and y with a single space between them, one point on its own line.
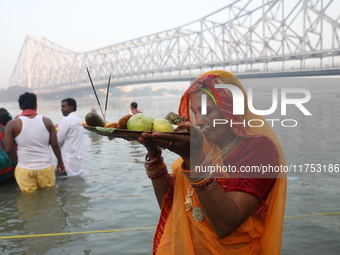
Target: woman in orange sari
211 210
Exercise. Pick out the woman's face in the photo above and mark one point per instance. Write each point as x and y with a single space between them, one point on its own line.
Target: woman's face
216 134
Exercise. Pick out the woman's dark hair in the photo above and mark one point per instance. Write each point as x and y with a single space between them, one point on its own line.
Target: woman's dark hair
71 102
134 105
27 101
4 116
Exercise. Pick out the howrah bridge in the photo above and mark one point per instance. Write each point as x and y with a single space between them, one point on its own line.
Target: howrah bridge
252 39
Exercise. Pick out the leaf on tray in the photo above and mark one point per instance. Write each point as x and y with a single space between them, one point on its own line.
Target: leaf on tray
104 129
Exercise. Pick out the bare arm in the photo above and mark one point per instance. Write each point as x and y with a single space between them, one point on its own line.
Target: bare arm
10 140
160 186
180 144
226 211
54 144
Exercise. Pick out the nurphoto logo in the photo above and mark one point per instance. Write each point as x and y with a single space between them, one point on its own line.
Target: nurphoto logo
239 102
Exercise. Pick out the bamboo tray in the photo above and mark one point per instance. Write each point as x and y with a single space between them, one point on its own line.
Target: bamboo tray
124 133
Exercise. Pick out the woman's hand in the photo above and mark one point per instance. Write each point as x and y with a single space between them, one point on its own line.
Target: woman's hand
181 144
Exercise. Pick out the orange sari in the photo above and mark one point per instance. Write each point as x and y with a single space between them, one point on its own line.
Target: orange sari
178 233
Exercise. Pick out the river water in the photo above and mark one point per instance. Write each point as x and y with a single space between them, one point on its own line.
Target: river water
115 194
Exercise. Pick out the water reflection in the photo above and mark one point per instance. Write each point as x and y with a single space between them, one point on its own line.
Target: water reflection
61 208
137 151
95 138
95 142
37 210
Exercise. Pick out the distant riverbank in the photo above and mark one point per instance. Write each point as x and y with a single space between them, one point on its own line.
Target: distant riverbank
11 94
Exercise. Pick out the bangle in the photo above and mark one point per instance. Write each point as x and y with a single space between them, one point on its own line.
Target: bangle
159 174
159 177
200 179
150 162
195 176
155 168
206 184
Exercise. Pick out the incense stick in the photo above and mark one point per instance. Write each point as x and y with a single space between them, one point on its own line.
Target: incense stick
107 95
95 93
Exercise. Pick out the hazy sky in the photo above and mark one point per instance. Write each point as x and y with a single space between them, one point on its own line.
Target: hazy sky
83 25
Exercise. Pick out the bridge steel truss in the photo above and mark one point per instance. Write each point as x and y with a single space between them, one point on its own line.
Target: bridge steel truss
244 36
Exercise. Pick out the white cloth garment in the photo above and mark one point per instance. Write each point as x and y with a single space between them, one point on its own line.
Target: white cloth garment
33 144
70 139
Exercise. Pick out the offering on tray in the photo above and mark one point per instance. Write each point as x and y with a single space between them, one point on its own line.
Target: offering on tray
131 126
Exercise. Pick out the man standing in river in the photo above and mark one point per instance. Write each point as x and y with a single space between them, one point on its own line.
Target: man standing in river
33 134
133 108
70 138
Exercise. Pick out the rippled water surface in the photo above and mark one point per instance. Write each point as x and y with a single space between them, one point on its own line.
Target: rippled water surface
115 194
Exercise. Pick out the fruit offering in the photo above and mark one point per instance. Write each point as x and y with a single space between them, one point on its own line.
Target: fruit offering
122 122
93 119
137 122
174 118
140 122
111 124
162 125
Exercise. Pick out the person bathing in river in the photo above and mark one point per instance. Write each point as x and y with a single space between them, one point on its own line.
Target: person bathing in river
205 212
33 134
7 163
70 138
133 108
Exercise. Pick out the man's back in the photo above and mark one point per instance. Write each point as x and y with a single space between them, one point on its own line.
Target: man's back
34 134
33 143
